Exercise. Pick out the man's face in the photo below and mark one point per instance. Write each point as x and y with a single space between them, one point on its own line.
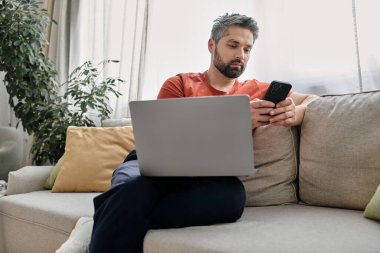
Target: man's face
231 54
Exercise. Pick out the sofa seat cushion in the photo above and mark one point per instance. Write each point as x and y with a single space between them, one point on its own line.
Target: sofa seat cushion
56 210
28 219
287 228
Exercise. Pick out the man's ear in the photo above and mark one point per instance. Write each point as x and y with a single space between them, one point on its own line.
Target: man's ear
211 45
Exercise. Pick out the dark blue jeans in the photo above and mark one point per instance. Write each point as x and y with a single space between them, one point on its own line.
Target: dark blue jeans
136 203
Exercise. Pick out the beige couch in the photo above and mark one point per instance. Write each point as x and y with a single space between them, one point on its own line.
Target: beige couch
307 196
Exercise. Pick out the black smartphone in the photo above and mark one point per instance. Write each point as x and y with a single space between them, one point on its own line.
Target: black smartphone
277 91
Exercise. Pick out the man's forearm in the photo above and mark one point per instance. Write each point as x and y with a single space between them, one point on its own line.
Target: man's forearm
301 108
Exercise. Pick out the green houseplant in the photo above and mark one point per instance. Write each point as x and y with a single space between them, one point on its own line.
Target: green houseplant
84 93
31 81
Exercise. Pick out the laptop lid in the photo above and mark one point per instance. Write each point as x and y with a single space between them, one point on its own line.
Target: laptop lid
198 136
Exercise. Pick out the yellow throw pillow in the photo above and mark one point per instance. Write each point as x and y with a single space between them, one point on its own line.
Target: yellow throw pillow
91 156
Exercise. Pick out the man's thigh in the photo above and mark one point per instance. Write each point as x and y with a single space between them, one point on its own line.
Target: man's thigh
198 201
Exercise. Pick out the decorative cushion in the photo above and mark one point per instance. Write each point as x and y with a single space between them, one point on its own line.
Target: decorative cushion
275 155
339 155
53 174
91 156
372 211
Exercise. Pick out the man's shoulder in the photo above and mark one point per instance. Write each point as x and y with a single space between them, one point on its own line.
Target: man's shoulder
193 76
182 85
254 82
253 88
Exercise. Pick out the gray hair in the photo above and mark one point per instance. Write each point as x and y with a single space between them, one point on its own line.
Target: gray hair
222 23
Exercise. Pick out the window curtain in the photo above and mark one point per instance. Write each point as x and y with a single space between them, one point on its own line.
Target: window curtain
97 30
93 30
322 47
59 35
368 20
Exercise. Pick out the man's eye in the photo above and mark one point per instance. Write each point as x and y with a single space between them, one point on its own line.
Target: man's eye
232 46
247 50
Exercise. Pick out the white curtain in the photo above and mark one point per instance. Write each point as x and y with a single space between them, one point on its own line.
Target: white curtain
368 22
97 30
59 39
313 44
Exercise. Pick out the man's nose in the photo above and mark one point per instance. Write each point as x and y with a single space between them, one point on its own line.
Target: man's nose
240 54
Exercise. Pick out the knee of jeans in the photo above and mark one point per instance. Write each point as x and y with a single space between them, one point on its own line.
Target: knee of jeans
125 172
238 198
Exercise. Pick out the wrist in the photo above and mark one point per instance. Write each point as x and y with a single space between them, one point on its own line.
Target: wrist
300 113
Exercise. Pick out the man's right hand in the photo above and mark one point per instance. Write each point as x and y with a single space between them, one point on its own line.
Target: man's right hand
260 112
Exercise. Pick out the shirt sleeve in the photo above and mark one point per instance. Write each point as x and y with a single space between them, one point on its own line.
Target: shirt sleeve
263 87
172 88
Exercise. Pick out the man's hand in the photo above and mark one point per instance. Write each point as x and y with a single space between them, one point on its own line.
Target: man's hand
289 112
260 110
284 114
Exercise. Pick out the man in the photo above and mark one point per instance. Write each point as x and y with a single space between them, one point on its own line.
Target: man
136 203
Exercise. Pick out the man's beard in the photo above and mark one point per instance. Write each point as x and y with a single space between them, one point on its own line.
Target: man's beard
226 69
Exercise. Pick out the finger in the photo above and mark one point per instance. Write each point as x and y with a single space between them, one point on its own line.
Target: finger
282 116
282 110
261 118
285 102
261 104
287 122
262 111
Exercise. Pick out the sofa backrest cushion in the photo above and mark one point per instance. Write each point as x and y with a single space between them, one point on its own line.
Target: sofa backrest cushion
275 155
340 151
91 156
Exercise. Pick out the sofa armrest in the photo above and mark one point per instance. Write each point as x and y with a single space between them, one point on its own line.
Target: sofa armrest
28 179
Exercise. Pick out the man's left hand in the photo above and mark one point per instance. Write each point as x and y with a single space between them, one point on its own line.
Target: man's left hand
284 114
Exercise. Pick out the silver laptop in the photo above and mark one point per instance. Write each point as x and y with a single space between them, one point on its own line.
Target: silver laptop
200 136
